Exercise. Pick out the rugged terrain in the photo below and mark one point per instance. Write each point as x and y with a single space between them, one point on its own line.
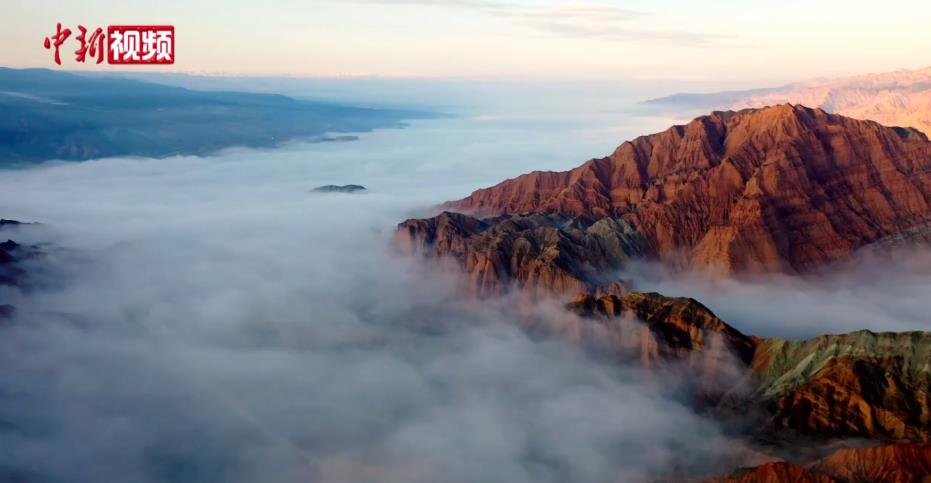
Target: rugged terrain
857 385
552 253
780 189
12 255
895 463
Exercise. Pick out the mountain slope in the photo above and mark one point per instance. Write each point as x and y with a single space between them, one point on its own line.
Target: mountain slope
849 385
895 463
551 253
857 385
784 188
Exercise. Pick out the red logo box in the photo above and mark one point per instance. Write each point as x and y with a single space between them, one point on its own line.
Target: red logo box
141 44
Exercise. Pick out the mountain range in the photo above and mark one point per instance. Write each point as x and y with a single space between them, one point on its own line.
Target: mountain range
786 189
47 114
900 98
780 189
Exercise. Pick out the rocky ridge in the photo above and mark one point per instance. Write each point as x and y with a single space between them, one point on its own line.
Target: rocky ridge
895 463
856 385
785 188
779 189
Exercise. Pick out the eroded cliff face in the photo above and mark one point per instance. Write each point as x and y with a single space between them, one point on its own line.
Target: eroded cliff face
546 253
857 385
678 336
680 325
895 463
783 188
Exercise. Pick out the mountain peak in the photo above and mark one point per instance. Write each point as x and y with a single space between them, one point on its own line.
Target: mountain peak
782 188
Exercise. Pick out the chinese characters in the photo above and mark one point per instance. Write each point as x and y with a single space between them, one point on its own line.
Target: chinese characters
141 45
121 44
59 38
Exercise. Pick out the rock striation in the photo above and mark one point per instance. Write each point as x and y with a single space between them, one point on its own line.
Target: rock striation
778 189
895 463
861 384
856 385
536 252
783 188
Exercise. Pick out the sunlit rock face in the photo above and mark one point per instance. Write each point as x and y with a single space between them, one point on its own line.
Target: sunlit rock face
784 189
895 463
778 189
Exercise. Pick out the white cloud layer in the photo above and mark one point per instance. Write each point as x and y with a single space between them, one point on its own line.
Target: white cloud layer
207 319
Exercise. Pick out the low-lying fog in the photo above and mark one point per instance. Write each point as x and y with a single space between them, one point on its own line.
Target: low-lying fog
208 319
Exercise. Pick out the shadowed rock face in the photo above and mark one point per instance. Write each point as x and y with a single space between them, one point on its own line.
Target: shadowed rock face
549 253
678 327
896 463
783 188
663 333
861 384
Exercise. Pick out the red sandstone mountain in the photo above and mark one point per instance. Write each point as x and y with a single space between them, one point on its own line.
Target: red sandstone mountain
537 252
783 188
896 463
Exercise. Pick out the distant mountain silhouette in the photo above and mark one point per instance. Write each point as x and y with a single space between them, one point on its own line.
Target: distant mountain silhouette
47 114
900 98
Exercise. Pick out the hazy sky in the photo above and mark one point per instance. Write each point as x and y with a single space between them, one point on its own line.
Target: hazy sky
586 39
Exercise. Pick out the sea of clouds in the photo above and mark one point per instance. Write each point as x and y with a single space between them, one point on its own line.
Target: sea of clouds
208 319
